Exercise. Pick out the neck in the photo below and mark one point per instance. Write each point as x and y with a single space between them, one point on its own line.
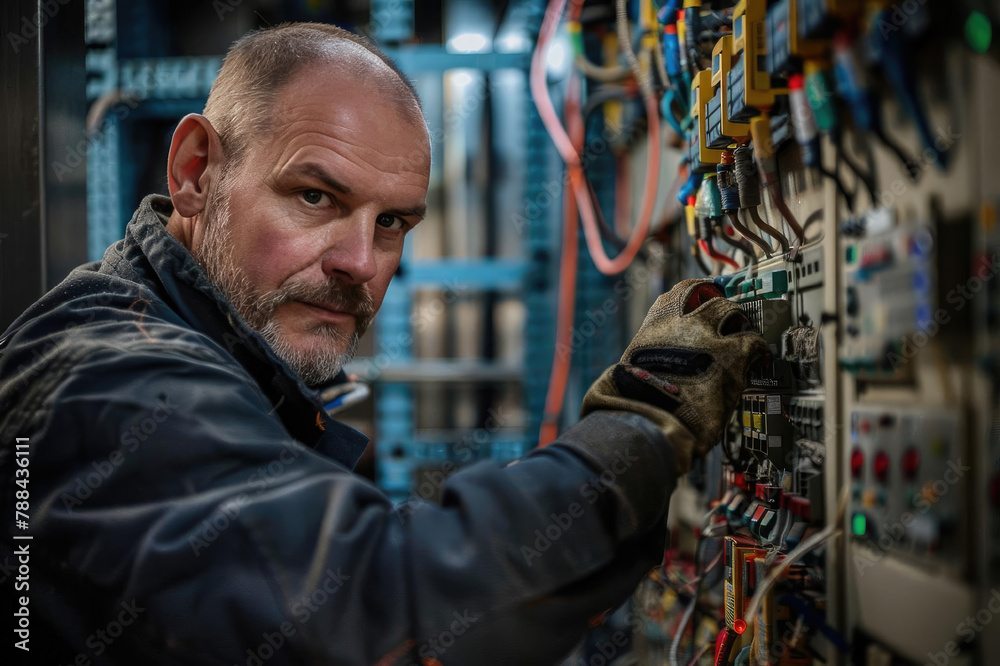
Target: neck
182 228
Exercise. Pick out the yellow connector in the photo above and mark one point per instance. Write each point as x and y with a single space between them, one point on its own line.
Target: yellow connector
701 92
814 48
760 130
750 39
722 60
647 16
648 25
803 48
692 222
613 109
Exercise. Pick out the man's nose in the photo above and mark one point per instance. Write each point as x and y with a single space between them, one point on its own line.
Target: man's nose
350 252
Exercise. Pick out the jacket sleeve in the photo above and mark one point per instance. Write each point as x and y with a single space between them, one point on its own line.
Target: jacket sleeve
168 481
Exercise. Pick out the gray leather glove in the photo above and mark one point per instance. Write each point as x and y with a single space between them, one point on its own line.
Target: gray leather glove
685 369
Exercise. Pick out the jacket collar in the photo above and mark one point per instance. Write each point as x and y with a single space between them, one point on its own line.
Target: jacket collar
191 295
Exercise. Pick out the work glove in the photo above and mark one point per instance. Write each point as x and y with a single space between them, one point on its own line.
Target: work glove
685 369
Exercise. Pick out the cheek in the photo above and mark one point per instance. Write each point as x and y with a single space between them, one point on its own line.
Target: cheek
269 253
266 257
378 285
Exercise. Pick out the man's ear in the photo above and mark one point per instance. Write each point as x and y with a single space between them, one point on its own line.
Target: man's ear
195 159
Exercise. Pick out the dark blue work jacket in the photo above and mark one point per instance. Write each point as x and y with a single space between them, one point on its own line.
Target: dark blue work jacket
190 502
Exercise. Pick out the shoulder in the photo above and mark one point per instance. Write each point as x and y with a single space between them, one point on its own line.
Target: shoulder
91 332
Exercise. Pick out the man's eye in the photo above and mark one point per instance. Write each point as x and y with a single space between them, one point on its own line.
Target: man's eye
391 222
312 197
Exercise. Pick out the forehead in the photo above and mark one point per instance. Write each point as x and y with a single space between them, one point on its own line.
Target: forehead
341 111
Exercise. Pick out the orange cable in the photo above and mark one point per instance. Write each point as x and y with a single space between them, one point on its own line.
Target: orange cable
571 156
563 356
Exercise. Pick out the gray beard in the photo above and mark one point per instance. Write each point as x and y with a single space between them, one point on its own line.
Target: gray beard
323 359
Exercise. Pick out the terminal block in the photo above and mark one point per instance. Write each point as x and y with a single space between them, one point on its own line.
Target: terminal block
771 318
787 44
773 284
816 20
704 159
806 415
766 428
722 130
750 87
802 29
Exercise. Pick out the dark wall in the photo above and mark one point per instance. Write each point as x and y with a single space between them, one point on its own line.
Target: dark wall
43 222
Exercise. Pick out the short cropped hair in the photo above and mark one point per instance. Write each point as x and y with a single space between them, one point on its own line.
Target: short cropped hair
241 102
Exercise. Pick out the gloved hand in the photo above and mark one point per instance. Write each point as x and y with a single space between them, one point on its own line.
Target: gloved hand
685 369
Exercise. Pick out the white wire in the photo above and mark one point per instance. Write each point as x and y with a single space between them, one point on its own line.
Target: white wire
807 546
675 646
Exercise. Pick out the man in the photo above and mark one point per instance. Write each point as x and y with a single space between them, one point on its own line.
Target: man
190 502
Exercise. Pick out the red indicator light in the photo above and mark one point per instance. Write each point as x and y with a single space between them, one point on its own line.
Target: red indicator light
911 462
739 626
881 465
857 463
865 427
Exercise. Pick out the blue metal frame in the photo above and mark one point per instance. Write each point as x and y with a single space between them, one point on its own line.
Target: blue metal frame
169 87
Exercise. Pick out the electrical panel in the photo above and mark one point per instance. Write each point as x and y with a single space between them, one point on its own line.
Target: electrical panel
889 292
908 483
858 483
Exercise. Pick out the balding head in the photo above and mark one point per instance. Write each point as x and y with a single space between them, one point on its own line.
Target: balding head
241 103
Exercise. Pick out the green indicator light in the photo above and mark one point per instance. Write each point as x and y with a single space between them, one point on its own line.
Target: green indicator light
850 254
978 32
859 524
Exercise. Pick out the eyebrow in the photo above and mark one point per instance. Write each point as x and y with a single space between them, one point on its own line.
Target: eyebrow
416 211
315 171
319 173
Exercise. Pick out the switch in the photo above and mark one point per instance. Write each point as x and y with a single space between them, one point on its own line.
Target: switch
859 524
857 462
749 514
767 522
755 520
852 305
911 463
770 495
735 509
799 507
881 466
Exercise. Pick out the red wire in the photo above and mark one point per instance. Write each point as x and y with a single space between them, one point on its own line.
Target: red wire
718 256
571 156
563 357
623 195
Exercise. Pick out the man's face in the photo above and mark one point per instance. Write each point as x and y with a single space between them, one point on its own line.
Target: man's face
305 234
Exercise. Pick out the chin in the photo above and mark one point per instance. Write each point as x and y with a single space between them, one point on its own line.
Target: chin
316 354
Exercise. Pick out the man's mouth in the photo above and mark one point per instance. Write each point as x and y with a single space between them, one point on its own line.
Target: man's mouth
329 311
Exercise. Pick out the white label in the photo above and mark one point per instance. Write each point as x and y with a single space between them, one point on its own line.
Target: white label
774 404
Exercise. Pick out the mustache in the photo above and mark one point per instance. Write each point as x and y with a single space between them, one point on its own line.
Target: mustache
355 299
